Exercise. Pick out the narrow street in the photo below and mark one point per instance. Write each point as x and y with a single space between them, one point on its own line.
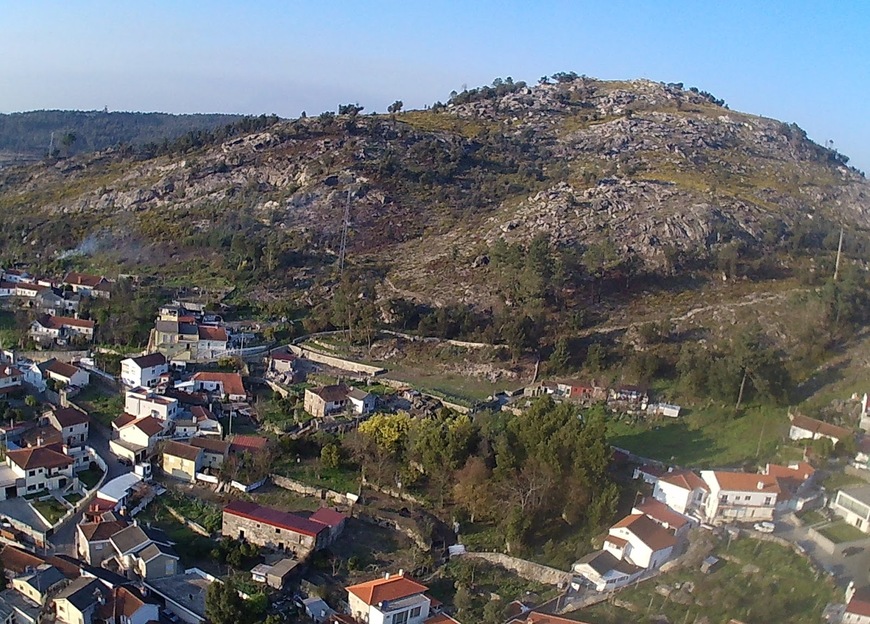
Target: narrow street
98 439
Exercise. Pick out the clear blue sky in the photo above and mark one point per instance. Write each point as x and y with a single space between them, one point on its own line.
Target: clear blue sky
800 61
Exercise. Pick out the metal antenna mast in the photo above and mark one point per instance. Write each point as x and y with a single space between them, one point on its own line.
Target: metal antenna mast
344 226
51 144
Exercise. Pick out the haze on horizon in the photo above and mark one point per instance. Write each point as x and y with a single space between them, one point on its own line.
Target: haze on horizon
798 61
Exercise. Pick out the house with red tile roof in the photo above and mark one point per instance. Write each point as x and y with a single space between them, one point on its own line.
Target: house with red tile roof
11 379
857 609
641 541
143 371
394 598
90 285
681 490
333 519
137 439
228 385
272 528
67 374
36 469
740 496
248 444
665 516
806 428
46 329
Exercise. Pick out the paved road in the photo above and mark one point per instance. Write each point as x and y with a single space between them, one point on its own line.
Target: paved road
98 439
842 568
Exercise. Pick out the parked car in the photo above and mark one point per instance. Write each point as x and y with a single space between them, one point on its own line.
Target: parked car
764 527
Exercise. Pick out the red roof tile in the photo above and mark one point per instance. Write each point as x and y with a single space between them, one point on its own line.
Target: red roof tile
232 382
274 517
819 427
38 457
648 531
685 479
329 517
383 590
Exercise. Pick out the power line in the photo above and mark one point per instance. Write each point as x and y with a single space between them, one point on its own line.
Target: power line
344 227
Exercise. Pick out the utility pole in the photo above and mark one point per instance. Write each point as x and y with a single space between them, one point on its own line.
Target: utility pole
344 226
839 253
51 144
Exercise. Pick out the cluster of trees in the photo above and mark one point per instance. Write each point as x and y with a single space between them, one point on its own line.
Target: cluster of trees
223 605
87 131
235 553
500 87
534 476
126 318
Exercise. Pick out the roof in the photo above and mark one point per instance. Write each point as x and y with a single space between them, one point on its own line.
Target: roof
616 541
745 482
386 589
217 334
166 327
155 550
123 419
150 360
359 395
38 457
327 516
232 382
274 517
202 413
148 425
860 602
685 479
603 562
62 368
125 602
283 567
546 618
18 560
101 531
792 476
333 393
187 398
81 592
58 322
819 427
860 493
661 513
180 449
83 279
442 618
211 445
285 356
248 443
117 488
9 371
129 539
43 579
648 531
69 417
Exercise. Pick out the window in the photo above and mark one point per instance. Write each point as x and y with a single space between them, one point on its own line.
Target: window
278 531
400 618
723 498
768 500
747 497
415 612
31 473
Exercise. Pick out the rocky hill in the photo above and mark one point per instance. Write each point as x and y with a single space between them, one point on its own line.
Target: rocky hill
643 174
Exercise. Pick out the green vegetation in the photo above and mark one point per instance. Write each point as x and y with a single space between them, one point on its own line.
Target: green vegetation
50 509
340 478
100 404
197 548
11 329
812 517
705 437
760 582
223 605
90 477
839 532
197 510
73 498
839 480
469 584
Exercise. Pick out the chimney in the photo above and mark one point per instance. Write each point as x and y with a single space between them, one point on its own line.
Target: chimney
401 572
761 485
387 576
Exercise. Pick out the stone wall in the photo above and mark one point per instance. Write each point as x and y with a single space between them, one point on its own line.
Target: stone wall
335 362
266 535
527 569
322 493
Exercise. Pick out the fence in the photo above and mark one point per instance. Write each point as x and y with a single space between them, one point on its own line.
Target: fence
249 487
193 526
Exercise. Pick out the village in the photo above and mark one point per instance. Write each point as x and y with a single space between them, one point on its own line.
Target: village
125 496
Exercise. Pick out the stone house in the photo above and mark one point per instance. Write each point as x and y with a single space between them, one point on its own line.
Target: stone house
271 528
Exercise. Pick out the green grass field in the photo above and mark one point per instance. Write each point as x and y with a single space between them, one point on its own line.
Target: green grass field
706 437
101 405
50 509
90 477
762 582
842 531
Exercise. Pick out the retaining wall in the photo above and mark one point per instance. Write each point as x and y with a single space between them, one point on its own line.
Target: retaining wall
335 362
527 569
322 493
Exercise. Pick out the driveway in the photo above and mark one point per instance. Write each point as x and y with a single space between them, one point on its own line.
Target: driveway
98 439
843 568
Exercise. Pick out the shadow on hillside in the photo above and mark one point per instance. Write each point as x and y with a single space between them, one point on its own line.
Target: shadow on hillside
826 377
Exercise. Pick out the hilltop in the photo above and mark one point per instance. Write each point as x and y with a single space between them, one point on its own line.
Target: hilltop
508 201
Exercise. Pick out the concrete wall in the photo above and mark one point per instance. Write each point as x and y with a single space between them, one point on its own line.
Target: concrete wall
527 569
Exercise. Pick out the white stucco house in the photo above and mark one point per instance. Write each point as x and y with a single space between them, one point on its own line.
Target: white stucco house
143 371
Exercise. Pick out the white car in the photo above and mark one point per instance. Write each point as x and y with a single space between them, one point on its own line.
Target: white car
764 527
